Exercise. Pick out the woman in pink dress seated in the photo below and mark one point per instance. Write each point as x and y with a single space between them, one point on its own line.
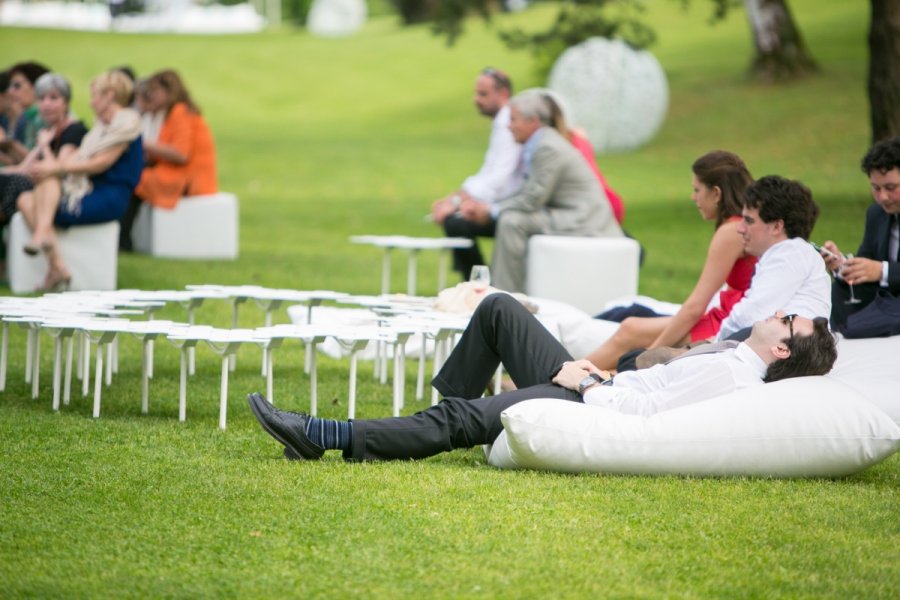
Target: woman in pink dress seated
719 181
578 139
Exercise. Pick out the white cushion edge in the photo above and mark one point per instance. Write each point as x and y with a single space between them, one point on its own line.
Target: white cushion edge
804 427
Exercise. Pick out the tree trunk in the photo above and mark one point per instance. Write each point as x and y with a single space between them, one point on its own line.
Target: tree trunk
780 51
884 69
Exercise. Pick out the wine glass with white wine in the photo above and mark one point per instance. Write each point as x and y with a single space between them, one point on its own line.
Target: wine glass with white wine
853 299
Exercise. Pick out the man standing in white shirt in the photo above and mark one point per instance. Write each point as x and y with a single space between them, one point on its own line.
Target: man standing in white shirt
779 215
498 177
501 329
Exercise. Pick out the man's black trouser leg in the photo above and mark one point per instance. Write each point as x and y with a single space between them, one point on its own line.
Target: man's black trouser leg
840 293
126 223
451 424
500 330
466 258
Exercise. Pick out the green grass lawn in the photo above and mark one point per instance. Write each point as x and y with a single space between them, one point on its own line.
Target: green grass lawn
322 139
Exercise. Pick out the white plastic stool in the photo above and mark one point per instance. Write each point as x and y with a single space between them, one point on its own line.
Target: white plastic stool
586 272
199 227
91 253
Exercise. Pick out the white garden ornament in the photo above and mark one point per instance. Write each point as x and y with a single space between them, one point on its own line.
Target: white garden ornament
618 95
334 18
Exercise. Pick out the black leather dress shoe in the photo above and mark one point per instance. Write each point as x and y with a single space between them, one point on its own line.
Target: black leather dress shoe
289 428
290 454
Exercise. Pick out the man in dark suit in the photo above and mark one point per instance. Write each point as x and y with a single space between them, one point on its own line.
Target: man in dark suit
875 269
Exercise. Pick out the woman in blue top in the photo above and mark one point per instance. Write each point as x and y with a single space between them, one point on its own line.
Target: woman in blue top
94 184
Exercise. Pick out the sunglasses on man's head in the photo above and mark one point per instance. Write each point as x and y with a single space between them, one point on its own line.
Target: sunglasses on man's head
498 76
789 321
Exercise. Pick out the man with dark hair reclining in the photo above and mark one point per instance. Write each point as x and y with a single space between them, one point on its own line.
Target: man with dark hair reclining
501 330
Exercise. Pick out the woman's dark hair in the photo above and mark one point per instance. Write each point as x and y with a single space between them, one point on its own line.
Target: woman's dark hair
812 354
29 70
727 172
170 81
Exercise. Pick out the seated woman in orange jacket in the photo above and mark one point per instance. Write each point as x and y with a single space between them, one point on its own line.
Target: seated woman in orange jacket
182 161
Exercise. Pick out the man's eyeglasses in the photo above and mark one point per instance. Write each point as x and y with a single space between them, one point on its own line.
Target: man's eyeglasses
499 77
789 321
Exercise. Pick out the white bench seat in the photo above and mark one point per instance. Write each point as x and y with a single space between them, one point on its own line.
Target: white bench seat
90 253
199 227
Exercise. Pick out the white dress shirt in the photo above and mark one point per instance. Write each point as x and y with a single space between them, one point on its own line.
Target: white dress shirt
499 176
680 382
790 276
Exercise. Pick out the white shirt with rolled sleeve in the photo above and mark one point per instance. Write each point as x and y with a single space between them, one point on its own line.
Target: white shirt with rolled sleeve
499 176
680 382
790 276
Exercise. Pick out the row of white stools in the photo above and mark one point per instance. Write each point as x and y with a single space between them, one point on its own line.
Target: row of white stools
97 320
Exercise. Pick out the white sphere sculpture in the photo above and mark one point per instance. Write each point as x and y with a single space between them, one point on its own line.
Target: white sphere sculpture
334 18
618 95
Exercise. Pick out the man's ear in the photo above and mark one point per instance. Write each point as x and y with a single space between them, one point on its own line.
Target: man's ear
777 226
780 351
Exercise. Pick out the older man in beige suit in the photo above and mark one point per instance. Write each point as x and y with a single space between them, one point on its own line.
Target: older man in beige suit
560 194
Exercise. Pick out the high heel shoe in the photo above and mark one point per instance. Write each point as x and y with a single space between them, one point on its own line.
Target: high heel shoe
56 282
33 250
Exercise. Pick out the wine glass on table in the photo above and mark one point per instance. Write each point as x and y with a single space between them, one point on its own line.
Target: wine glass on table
480 277
853 299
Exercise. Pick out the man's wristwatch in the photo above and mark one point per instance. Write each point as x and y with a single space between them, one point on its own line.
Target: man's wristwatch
589 381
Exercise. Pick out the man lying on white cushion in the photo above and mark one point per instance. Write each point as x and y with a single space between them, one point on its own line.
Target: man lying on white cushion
501 329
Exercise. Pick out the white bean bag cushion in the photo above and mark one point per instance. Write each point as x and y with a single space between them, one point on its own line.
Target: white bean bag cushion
871 367
804 427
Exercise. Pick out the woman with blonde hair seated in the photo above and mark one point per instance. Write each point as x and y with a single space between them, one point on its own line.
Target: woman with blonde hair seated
91 185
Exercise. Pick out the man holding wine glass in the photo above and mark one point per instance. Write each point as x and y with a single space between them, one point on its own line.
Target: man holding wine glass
874 271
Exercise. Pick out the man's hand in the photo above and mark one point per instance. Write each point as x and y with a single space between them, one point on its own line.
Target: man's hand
836 259
475 211
861 270
441 209
573 372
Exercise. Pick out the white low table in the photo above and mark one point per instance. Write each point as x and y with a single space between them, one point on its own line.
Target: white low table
413 245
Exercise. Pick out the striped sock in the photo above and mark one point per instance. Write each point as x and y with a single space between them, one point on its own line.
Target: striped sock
329 434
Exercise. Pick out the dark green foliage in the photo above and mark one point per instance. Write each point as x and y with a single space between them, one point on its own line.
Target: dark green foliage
578 21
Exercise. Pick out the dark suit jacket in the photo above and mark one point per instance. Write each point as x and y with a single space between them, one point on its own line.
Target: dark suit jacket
875 244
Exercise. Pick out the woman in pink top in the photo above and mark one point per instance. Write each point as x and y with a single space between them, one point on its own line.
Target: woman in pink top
583 145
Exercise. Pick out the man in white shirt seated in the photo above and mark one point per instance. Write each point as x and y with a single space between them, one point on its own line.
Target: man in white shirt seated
502 330
498 177
779 215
